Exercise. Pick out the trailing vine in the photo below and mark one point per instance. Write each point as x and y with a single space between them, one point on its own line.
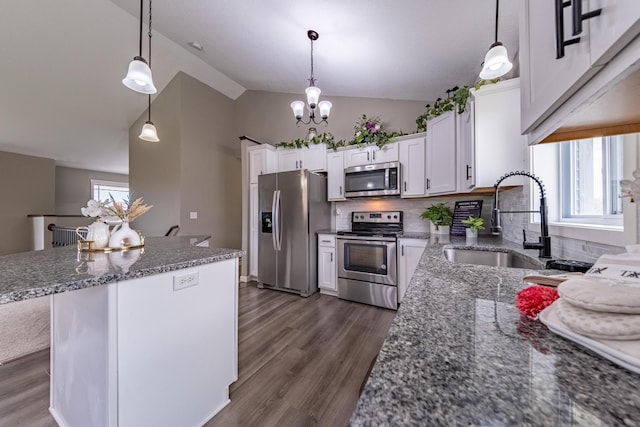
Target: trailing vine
456 99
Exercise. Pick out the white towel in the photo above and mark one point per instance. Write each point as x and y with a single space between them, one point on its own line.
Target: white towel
623 353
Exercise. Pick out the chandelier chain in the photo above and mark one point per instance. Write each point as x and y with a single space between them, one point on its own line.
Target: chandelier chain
312 80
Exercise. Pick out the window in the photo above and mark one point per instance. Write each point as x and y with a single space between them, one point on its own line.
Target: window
104 190
590 174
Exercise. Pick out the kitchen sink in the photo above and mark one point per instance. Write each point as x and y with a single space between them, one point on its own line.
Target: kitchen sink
490 258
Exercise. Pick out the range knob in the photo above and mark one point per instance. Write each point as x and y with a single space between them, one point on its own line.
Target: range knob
388 216
395 217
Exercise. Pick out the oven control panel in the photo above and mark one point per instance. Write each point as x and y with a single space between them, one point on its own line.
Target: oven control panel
386 217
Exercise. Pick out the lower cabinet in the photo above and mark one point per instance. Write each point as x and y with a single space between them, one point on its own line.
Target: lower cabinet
409 254
327 270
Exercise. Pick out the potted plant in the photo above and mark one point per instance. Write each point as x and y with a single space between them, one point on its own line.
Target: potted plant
440 216
473 224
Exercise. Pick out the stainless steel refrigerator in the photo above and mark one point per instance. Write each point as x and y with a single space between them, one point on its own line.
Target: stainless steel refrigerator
293 208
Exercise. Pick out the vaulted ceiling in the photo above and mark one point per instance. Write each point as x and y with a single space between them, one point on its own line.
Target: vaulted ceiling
61 63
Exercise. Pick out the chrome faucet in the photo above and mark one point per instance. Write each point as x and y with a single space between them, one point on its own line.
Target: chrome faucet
544 241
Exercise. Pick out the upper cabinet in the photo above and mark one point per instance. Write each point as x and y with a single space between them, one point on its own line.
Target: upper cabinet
335 176
312 158
441 154
262 159
371 154
567 63
493 146
412 155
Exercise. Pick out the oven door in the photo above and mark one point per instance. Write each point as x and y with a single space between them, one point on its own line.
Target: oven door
367 259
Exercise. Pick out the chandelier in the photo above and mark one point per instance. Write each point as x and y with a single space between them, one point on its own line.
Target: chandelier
313 94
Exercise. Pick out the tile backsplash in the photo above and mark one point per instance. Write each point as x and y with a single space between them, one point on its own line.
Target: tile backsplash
512 224
411 208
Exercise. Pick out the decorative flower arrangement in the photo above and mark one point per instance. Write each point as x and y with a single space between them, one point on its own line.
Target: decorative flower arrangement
129 210
94 209
110 210
369 131
630 188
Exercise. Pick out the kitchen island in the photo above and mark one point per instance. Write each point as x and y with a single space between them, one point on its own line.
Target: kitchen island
459 353
140 337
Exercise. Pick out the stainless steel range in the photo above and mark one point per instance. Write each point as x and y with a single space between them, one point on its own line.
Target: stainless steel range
367 270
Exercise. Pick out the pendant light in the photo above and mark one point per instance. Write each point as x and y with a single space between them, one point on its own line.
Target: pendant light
139 77
149 132
313 94
496 62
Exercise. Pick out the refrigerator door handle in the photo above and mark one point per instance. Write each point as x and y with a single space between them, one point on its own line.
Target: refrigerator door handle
274 223
279 218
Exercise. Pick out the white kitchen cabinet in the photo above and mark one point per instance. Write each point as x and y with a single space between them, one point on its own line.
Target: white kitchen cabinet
327 270
466 168
409 253
617 25
144 351
312 158
441 154
489 139
262 159
412 155
335 176
254 230
371 154
549 81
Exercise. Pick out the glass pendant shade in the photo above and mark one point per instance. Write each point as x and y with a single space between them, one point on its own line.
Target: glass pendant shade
149 132
298 109
313 94
139 77
325 109
496 62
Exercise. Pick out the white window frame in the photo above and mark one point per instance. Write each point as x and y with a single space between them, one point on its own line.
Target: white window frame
547 169
95 182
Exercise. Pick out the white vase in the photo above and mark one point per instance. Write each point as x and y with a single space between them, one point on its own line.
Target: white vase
123 236
472 235
439 229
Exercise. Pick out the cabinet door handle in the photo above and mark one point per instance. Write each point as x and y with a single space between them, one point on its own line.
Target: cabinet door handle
341 190
367 156
374 155
326 241
468 169
331 253
300 164
405 186
578 17
401 250
561 43
428 183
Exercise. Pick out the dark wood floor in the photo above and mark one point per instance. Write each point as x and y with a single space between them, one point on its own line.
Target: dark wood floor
302 362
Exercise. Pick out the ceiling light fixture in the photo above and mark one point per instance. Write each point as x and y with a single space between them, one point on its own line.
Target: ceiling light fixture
138 76
496 62
149 132
313 94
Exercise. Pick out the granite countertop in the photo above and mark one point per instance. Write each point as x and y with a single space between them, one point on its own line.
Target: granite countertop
34 274
459 353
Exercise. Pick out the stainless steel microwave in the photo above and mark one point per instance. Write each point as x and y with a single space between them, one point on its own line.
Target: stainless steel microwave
380 179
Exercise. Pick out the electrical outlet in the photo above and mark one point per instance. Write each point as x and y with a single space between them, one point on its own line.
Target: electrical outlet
193 215
185 280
